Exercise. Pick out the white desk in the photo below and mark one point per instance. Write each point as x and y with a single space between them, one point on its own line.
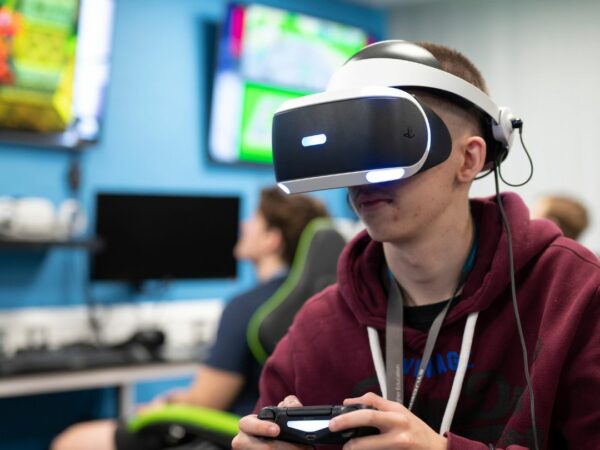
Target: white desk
123 378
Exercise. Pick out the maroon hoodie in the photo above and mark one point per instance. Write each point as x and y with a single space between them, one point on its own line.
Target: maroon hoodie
325 356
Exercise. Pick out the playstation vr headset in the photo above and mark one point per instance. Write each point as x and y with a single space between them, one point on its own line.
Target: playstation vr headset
366 128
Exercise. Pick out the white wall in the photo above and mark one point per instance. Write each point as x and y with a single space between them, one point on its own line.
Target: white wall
541 58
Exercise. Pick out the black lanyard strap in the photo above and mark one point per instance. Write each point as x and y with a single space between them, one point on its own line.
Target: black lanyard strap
394 345
394 335
463 362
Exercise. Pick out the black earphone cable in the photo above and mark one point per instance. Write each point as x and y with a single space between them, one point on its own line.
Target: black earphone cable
479 177
515 304
518 124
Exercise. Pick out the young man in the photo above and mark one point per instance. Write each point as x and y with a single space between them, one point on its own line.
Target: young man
429 243
228 378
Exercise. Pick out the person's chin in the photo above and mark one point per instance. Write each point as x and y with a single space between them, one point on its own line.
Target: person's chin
381 232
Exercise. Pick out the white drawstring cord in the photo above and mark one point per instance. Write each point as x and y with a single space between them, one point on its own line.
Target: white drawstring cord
377 359
463 362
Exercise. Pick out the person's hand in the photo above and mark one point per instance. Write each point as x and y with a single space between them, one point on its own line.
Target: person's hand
400 429
173 396
254 430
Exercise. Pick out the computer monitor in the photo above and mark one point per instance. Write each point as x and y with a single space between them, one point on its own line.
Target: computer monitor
165 237
266 56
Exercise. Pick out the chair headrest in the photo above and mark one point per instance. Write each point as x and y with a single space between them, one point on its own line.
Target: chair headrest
314 267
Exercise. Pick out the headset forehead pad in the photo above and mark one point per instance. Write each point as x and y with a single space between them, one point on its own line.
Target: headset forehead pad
353 137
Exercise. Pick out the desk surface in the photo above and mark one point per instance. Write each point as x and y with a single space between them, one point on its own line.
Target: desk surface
42 383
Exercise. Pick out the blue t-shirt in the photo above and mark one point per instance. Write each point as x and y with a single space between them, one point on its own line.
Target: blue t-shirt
230 350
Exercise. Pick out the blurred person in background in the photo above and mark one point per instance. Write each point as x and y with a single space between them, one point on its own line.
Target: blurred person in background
228 377
569 214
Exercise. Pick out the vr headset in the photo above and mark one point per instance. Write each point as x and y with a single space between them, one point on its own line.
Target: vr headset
366 129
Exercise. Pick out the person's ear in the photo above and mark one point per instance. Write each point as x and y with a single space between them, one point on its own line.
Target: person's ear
473 158
274 240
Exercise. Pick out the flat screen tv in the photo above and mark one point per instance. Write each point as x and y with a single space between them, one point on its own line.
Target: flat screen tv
265 56
54 68
164 237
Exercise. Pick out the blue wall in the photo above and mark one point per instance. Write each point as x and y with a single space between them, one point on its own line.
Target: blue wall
153 140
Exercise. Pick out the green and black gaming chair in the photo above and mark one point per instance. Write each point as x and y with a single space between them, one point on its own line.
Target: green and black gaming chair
313 268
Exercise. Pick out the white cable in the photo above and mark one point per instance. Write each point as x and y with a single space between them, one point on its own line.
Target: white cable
463 362
377 359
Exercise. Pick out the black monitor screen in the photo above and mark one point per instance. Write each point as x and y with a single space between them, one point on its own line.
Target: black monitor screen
165 237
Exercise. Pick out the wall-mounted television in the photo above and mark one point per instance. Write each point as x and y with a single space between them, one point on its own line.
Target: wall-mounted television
265 56
164 237
54 69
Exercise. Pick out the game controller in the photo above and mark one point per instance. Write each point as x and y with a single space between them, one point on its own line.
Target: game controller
309 425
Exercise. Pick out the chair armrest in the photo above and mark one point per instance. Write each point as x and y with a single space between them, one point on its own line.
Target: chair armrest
210 424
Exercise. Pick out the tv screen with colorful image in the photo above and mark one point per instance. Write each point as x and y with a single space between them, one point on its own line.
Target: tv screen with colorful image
266 56
54 65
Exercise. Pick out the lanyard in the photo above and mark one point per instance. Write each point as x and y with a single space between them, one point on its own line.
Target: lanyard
394 347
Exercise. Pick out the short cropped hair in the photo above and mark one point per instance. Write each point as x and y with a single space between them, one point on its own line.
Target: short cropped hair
456 63
289 214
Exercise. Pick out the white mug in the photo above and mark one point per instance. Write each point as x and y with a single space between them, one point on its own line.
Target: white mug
32 218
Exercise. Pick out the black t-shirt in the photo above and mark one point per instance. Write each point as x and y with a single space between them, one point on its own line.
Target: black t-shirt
421 317
230 350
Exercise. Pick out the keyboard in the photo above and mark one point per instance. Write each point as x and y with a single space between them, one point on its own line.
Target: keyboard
74 357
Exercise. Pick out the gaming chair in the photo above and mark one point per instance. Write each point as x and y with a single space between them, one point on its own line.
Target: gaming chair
313 268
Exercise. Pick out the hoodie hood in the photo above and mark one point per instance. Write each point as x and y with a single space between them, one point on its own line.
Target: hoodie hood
362 261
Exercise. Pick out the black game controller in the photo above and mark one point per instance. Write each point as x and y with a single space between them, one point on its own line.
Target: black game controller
309 425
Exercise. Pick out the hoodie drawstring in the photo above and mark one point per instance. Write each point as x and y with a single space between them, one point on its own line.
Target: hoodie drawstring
463 362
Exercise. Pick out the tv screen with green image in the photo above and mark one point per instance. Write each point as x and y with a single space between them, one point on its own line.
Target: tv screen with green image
266 56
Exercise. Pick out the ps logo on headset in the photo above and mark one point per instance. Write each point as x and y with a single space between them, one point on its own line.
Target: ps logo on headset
409 133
